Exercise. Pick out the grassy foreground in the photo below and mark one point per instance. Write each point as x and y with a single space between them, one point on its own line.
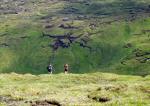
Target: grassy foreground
93 89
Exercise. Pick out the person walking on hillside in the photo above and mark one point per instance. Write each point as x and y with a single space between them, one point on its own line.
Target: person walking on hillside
66 67
50 68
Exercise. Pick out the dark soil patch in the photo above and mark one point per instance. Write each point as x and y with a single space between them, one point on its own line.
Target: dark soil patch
104 99
45 103
10 101
101 99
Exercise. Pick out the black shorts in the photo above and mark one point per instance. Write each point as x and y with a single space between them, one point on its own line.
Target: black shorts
66 69
49 70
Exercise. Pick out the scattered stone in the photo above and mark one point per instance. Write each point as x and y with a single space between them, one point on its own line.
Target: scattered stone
143 59
145 31
140 53
128 45
67 26
49 26
65 19
4 45
81 17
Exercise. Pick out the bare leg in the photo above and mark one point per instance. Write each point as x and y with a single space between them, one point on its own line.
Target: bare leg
66 72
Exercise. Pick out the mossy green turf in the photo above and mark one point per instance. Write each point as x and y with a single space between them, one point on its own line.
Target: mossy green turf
76 89
32 54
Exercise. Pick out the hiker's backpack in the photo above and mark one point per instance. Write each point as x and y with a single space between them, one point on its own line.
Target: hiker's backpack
48 68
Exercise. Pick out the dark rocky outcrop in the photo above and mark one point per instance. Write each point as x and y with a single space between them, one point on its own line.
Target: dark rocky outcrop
45 103
140 53
67 26
59 40
4 45
49 26
66 40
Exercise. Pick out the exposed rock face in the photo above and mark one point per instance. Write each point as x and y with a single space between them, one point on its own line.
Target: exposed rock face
65 41
67 26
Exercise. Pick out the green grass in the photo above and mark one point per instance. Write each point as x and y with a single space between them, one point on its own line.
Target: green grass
32 54
120 42
76 89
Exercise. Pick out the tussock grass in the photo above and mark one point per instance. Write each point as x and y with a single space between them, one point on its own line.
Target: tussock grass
97 89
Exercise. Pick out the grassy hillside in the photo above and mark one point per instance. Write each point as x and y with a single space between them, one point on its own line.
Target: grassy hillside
97 89
87 34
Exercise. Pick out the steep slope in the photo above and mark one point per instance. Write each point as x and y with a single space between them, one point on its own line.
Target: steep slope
88 34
